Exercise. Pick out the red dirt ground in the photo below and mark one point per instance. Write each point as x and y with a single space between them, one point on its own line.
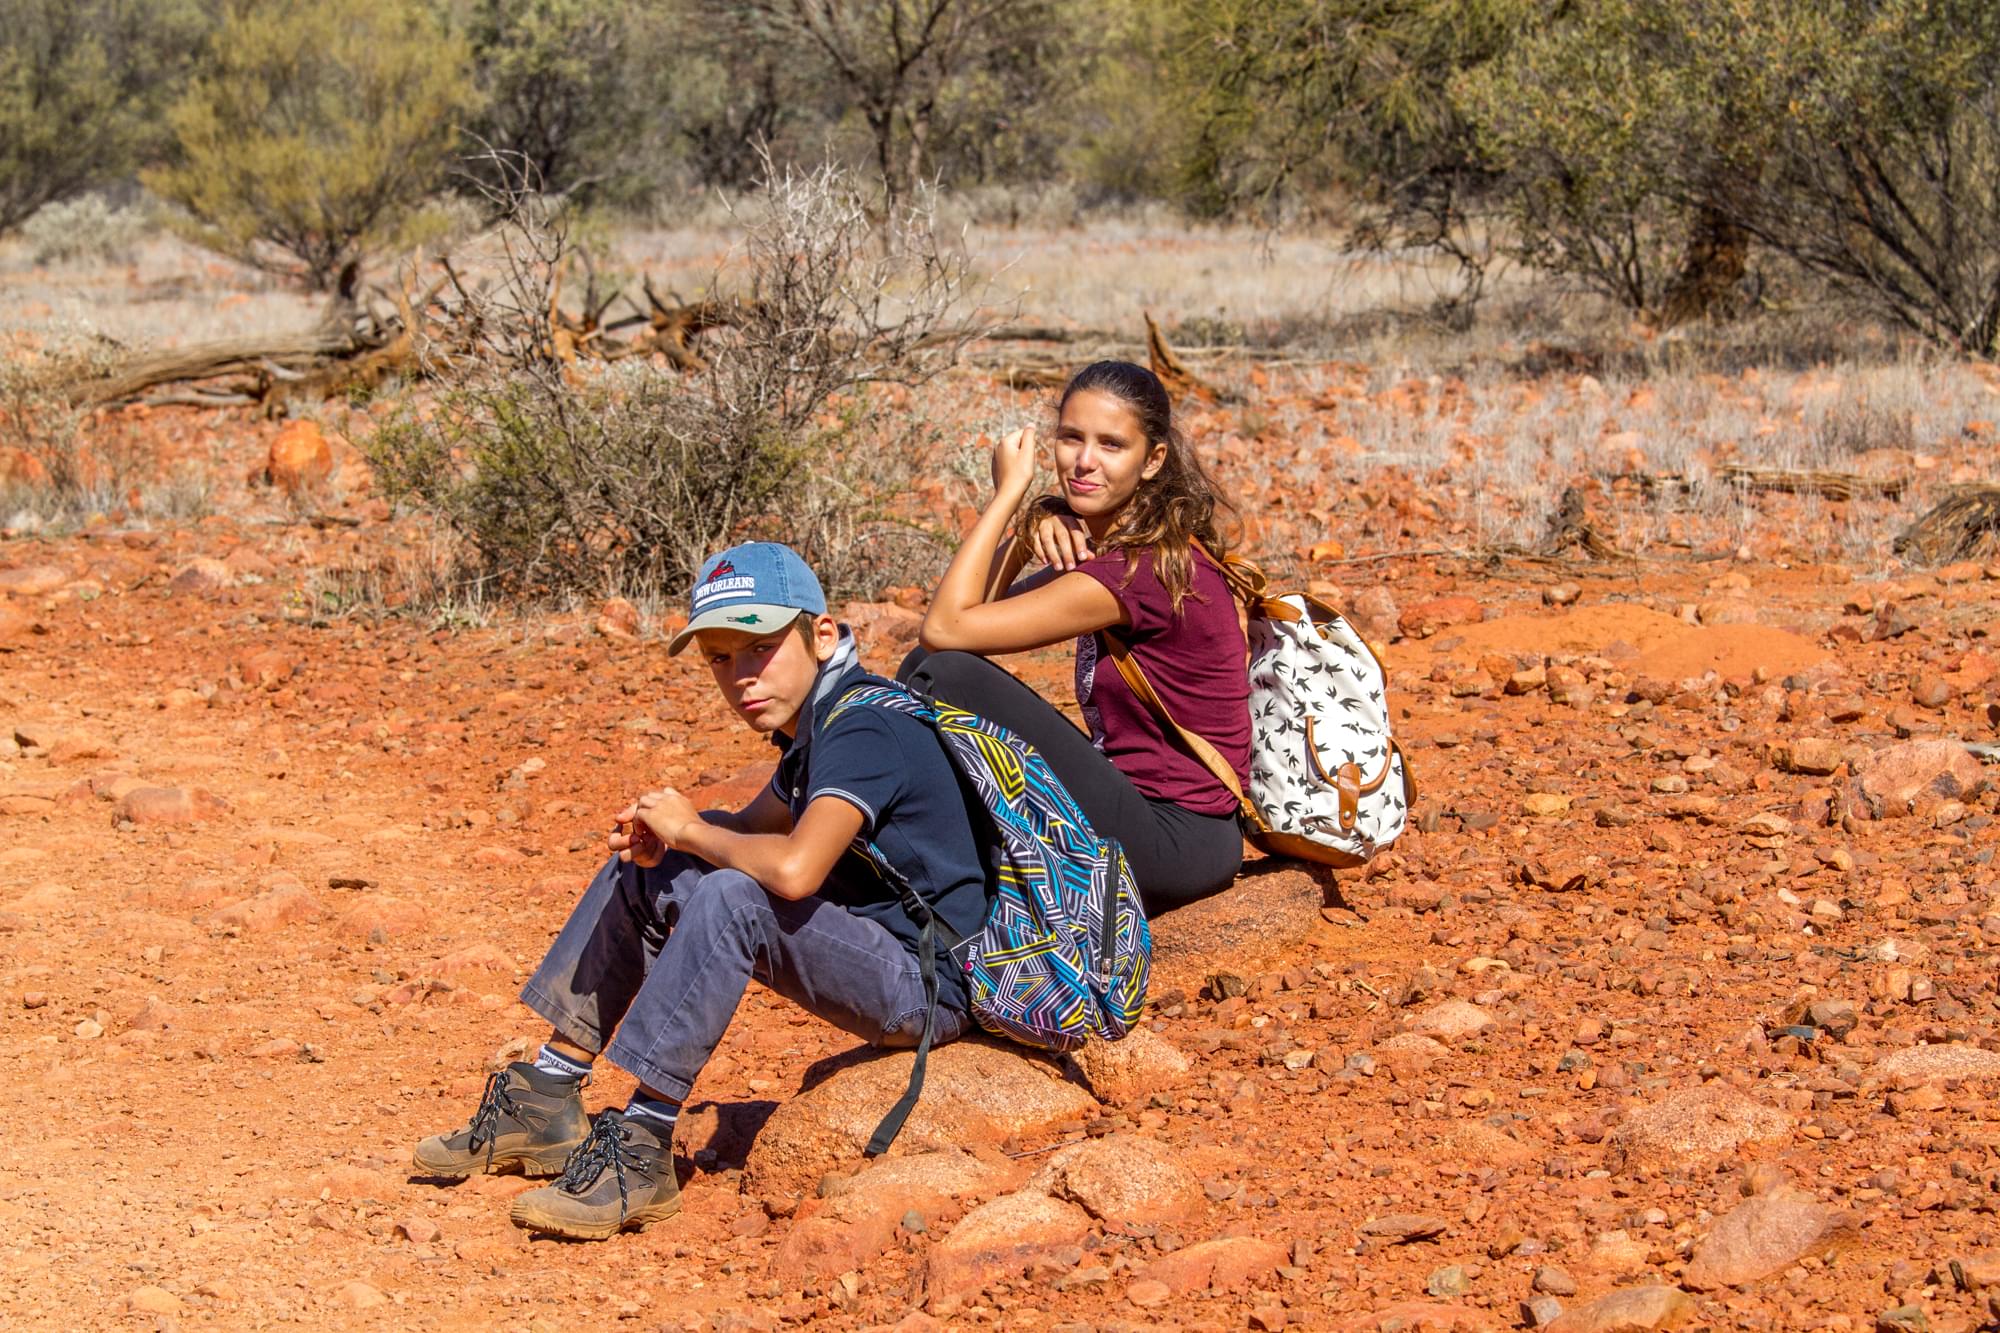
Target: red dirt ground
1624 864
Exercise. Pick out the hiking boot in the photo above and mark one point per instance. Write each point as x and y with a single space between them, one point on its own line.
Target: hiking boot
619 1179
526 1118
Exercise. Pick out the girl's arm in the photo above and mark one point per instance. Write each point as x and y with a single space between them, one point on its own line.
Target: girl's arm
965 613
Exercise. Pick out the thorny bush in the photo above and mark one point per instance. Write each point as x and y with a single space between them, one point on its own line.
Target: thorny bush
590 477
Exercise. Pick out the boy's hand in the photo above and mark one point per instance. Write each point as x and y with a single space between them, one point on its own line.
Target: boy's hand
666 812
1015 459
632 841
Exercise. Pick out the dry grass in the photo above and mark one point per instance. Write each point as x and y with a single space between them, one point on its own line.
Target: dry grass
1492 420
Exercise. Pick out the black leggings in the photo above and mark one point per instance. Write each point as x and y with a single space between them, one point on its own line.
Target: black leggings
1178 856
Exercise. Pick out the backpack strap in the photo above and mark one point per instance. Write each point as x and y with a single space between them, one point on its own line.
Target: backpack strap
1197 744
930 930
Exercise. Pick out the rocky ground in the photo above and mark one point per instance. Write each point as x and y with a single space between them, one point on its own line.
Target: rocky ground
1677 1009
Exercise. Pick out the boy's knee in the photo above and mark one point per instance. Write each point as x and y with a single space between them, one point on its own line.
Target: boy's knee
722 896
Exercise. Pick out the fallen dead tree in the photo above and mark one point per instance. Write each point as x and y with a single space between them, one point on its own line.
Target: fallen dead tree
362 343
1965 525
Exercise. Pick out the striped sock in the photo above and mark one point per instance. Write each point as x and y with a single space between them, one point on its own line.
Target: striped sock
561 1066
654 1114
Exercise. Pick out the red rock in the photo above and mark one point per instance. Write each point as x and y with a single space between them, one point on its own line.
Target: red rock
860 1217
76 747
300 459
1629 1310
1001 1239
976 1092
1453 1020
1811 755
1692 1128
16 627
19 466
1217 1265
1763 1236
1122 1179
1916 777
1427 618
883 627
1373 612
378 917
201 575
1421 1317
480 957
1139 1065
283 901
262 668
146 806
619 619
1931 690
32 581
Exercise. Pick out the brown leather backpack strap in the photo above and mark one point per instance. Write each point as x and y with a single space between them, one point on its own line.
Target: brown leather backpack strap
1211 758
1245 579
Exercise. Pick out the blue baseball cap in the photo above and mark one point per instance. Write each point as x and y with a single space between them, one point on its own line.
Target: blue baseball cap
756 587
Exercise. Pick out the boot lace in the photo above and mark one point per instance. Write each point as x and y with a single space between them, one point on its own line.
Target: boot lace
604 1147
494 1102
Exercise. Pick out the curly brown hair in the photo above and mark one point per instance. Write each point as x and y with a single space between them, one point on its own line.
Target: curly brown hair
1178 505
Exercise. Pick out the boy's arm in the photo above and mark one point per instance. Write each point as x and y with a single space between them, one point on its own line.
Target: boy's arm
766 814
789 865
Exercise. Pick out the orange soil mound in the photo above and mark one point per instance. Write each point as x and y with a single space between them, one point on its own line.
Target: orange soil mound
1649 641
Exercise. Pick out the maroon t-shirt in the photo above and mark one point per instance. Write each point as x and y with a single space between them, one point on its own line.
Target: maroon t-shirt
1196 663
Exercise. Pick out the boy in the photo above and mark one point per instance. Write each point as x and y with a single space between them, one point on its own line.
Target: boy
692 905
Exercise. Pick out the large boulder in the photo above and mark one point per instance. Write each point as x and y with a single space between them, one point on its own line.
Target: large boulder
1629 1310
1915 778
1269 912
975 1092
1138 1065
1696 1126
1002 1239
1930 1064
859 1216
1223 1264
1763 1236
1122 1179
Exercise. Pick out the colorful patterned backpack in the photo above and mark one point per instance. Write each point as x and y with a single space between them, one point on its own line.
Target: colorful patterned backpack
1327 780
1066 951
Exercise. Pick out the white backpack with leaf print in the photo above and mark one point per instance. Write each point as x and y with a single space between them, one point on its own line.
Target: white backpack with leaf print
1327 781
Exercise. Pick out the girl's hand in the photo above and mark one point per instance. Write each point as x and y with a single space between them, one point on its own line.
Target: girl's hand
1015 460
1059 541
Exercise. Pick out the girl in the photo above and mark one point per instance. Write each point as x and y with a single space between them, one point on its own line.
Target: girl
1119 540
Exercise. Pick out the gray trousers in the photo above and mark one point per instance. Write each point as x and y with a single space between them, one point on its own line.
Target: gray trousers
662 957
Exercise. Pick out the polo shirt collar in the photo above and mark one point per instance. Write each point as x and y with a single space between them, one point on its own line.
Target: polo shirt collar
835 674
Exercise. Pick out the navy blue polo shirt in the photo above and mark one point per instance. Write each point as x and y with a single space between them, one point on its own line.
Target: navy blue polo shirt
927 825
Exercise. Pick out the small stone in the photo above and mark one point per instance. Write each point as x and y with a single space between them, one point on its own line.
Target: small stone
1147 1293
1543 804
1553 1281
1402 1228
88 1029
152 1300
417 1230
1541 1311
1447 1283
359 1295
1902 1319
1269 1317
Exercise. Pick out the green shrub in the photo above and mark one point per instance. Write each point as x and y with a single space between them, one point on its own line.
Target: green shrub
318 131
590 478
83 85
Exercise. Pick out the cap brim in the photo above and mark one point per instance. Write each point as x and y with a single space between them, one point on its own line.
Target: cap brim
742 617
